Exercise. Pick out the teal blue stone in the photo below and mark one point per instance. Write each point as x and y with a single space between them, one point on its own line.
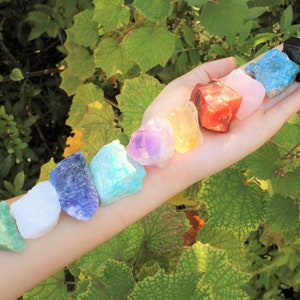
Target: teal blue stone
275 71
10 238
115 174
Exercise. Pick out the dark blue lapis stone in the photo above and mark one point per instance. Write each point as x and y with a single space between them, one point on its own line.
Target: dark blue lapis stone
73 183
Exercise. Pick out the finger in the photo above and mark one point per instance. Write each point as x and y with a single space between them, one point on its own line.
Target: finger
179 90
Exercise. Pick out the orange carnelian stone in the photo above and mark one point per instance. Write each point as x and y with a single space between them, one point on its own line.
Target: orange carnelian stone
217 104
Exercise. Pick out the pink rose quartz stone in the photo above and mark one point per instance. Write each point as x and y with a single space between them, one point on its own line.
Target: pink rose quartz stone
153 143
253 92
187 134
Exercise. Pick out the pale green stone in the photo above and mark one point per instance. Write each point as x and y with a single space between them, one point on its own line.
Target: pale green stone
10 238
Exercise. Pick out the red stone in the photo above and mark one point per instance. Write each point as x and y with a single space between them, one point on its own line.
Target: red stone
217 105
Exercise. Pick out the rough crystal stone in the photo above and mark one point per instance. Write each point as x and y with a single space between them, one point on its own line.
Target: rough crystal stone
73 182
187 134
275 71
10 238
115 174
217 104
253 92
292 48
153 143
37 212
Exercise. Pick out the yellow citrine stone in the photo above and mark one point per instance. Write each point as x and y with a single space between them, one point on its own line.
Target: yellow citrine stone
184 120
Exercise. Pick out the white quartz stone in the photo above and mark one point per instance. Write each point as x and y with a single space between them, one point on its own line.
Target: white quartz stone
37 212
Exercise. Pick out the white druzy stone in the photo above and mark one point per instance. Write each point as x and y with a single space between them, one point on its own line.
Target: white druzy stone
253 92
37 212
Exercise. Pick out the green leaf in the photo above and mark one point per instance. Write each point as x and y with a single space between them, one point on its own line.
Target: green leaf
113 282
224 17
111 14
45 170
111 57
155 44
16 74
197 2
166 287
232 204
54 286
262 163
286 18
163 229
122 247
69 82
19 181
80 62
155 10
282 213
255 12
85 95
135 97
85 30
225 280
188 35
287 185
226 240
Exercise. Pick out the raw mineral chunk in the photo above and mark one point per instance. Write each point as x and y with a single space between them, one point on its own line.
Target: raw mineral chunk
275 71
187 134
292 48
115 174
153 143
10 238
37 212
73 182
253 92
217 105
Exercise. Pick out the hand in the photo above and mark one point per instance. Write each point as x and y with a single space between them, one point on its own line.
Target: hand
220 150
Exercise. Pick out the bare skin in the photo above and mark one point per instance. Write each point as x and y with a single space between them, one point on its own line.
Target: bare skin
43 257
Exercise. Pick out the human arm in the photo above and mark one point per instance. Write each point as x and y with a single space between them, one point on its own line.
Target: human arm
71 238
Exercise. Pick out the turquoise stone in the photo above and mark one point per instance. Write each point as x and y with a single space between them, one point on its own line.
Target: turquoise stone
115 174
10 238
275 71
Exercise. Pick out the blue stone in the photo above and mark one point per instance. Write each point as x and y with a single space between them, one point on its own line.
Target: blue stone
275 71
73 183
115 174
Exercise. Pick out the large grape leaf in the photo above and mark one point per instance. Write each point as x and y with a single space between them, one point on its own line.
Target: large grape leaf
85 30
85 95
263 162
111 57
282 214
69 82
226 240
155 45
136 95
218 273
168 287
111 14
155 10
80 62
122 247
224 17
113 282
233 203
163 229
53 287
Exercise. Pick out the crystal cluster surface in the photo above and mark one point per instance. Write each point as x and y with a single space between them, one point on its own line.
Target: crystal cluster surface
73 182
37 212
10 237
275 71
153 143
115 174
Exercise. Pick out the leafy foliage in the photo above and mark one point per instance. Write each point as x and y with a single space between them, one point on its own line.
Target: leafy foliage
116 56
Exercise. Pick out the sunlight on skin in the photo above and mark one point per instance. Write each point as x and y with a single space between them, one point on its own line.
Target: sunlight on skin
71 238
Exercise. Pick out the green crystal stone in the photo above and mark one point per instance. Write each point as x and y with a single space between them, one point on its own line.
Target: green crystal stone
10 238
